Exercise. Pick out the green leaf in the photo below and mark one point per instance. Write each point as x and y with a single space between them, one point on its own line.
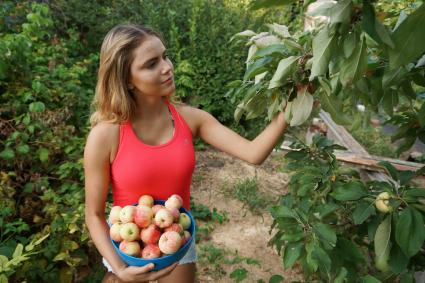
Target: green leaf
245 33
409 39
349 44
312 261
281 30
282 211
410 231
37 107
43 154
407 278
382 242
3 278
323 259
349 191
257 67
331 104
349 251
406 177
291 254
373 27
23 148
370 279
341 12
297 155
323 45
61 256
355 66
389 101
274 50
323 10
7 154
363 211
393 77
276 279
239 274
325 233
301 107
390 169
342 274
18 251
398 260
414 193
284 69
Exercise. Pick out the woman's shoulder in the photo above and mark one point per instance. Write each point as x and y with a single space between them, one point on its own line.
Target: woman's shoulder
188 110
104 132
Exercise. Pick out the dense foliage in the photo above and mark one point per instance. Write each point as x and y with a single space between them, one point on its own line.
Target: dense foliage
336 226
345 56
341 229
48 63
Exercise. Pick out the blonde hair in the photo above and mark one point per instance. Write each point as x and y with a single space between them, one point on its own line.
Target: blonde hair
113 102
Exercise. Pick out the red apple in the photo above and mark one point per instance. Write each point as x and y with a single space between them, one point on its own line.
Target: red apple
174 201
157 207
143 216
184 220
170 242
130 248
114 214
127 213
146 200
151 251
129 232
186 236
176 228
163 218
114 232
151 234
175 212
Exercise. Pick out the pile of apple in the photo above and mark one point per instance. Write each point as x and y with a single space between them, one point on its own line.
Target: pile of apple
148 230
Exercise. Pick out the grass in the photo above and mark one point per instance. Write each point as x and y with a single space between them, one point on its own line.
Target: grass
206 220
247 192
213 259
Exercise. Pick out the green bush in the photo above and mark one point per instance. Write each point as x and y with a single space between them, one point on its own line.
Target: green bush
48 63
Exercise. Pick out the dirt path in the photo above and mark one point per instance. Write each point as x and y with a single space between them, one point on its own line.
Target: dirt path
245 234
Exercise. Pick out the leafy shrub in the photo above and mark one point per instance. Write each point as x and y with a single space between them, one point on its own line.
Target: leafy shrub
342 229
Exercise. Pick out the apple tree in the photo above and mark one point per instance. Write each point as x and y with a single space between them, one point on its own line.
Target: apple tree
350 58
336 226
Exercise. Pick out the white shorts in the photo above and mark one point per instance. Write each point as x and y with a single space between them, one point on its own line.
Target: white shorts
189 257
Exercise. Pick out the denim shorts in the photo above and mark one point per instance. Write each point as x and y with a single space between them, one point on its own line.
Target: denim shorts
189 257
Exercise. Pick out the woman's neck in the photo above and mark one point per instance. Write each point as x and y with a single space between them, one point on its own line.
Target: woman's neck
149 108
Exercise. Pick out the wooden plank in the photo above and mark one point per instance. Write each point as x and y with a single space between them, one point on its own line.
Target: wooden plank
372 162
342 136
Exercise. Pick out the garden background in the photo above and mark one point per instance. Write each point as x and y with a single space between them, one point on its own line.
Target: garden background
49 52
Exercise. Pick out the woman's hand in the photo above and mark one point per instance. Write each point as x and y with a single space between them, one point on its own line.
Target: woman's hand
139 274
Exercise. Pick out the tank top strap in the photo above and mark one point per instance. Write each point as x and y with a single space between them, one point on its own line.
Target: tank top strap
175 114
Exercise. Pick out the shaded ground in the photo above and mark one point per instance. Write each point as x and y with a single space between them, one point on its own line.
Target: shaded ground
244 235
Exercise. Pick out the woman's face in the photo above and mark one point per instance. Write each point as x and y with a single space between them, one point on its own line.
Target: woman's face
151 72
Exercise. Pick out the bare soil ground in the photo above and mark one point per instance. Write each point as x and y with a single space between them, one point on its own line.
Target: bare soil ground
244 234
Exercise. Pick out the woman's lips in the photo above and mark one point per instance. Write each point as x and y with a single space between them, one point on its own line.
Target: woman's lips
167 81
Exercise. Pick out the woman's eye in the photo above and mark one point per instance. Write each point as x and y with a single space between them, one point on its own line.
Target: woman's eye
151 65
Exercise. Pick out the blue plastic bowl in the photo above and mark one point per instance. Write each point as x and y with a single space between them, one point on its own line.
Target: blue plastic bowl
163 261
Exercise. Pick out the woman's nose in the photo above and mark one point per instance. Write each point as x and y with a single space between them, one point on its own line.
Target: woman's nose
167 66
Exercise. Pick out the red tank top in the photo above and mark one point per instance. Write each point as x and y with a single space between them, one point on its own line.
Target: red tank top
159 171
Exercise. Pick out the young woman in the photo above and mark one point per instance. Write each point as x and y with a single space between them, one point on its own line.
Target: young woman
141 142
